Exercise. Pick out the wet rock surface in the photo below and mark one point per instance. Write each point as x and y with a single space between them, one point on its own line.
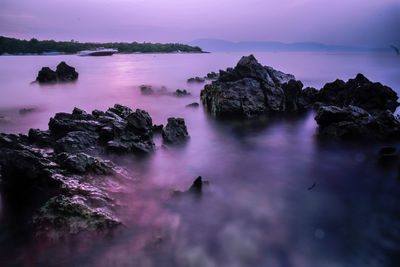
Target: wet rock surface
63 73
175 132
353 122
250 89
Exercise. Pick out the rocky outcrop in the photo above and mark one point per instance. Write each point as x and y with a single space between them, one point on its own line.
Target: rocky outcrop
250 90
119 129
63 73
175 132
352 122
146 90
357 109
211 76
196 189
57 186
359 92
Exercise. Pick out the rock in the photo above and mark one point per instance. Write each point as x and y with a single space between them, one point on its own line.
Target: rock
24 111
292 91
175 131
355 123
387 150
211 76
181 93
250 90
72 216
196 80
55 186
388 155
66 73
308 97
146 90
193 105
40 138
196 189
46 75
119 129
373 97
157 128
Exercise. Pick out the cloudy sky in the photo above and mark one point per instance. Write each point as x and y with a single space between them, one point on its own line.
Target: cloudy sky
345 22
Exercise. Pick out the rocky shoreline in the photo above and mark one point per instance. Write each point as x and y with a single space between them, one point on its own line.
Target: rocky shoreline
57 166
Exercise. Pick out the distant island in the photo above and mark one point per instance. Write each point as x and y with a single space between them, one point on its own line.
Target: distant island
33 46
217 45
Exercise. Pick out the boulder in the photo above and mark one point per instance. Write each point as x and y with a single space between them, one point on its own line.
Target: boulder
196 189
63 73
175 131
66 73
308 97
46 75
146 90
373 97
250 89
211 76
355 123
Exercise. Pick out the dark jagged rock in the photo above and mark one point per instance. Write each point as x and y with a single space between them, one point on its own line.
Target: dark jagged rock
292 90
355 123
193 105
63 73
175 131
196 189
250 90
40 138
157 128
359 92
119 129
146 90
180 93
66 73
46 75
196 80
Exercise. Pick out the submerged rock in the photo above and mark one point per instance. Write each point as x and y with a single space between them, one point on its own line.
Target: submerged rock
66 73
146 90
196 189
175 132
181 93
193 105
355 123
196 80
250 90
63 73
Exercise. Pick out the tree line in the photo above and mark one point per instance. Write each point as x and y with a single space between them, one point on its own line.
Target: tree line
34 46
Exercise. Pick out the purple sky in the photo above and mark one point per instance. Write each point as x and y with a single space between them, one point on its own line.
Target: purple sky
346 22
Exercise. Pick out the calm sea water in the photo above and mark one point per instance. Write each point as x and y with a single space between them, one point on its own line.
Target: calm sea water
257 210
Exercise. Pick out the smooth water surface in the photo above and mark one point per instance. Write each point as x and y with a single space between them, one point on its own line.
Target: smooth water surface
258 210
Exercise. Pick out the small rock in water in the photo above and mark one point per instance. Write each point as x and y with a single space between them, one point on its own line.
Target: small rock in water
146 90
63 73
157 128
193 105
180 93
196 80
24 111
196 189
175 132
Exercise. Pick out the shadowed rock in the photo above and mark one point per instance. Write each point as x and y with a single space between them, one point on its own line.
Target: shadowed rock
63 73
175 132
193 105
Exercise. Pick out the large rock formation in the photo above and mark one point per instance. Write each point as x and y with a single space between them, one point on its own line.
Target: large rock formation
251 89
119 129
63 73
57 186
357 109
352 122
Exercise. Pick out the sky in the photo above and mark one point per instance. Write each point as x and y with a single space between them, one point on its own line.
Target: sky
369 23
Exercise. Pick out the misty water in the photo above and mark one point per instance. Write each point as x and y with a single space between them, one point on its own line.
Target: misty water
257 210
